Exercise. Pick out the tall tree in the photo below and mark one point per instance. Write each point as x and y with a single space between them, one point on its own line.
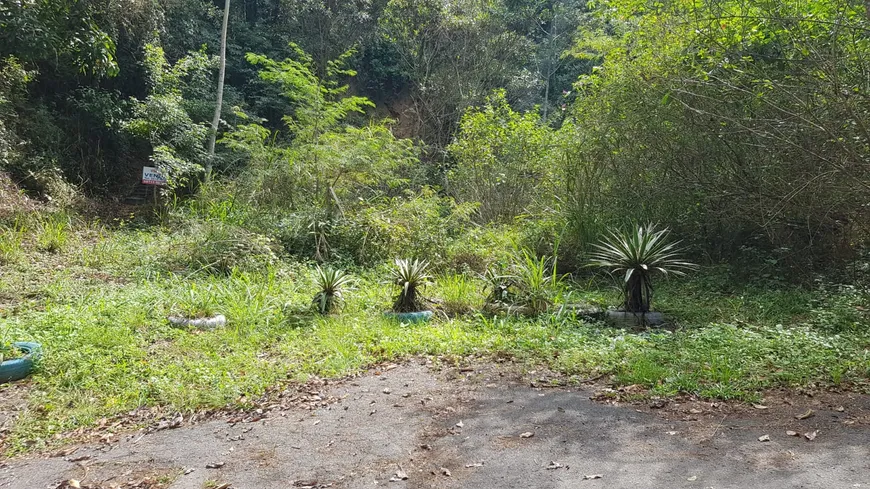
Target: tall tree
220 92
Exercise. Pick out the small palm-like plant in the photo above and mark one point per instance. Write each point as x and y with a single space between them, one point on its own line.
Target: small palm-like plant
410 276
498 286
332 284
536 280
638 254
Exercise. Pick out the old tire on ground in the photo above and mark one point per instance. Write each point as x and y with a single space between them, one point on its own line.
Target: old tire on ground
410 317
19 368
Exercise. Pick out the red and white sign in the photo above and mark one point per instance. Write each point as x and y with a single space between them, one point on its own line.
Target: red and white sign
152 176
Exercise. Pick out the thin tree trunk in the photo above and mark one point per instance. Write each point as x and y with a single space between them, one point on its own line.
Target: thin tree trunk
220 93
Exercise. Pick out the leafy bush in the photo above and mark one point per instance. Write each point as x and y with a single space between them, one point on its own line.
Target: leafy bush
13 79
163 120
536 281
421 224
218 248
477 248
503 161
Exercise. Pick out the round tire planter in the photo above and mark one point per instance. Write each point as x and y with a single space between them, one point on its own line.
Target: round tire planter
410 317
19 368
625 319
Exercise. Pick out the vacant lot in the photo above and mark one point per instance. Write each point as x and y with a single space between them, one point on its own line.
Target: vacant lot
478 425
98 303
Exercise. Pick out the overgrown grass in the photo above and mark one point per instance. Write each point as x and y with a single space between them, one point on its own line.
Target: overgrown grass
100 308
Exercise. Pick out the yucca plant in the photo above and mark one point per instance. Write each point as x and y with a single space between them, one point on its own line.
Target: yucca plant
410 276
637 254
332 284
498 286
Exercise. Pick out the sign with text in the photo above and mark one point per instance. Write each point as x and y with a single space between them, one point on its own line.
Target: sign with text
152 176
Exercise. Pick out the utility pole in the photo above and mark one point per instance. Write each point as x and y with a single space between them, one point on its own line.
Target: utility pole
220 93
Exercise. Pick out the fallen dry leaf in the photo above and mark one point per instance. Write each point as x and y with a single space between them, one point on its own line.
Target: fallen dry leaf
593 476
692 479
309 484
811 436
215 465
764 438
477 464
527 434
805 415
66 452
792 433
554 465
401 475
760 406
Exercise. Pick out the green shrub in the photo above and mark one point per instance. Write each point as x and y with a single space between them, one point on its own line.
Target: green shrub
52 234
218 248
479 247
459 294
503 161
536 281
420 224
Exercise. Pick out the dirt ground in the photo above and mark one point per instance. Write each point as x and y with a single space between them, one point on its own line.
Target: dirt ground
411 426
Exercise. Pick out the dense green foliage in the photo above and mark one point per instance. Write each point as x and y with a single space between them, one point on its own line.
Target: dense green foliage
99 305
739 124
495 141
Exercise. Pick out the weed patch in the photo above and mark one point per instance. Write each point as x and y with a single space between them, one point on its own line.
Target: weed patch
109 348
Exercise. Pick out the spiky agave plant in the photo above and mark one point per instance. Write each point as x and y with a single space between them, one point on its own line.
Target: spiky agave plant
637 254
498 286
332 284
410 276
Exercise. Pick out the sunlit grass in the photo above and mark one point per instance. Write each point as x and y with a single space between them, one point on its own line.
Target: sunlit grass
109 348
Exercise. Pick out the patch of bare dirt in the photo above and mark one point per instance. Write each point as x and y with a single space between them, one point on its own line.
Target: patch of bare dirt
12 199
13 400
143 478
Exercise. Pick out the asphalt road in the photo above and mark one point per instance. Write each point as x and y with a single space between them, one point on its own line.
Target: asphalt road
477 429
